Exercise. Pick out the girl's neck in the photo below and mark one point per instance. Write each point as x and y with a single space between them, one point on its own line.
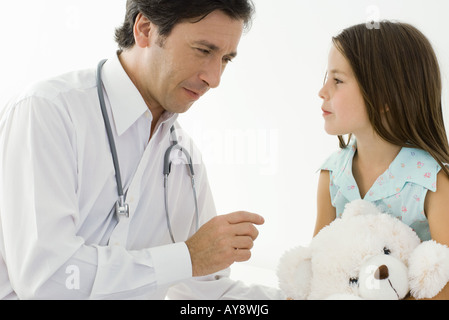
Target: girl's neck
372 150
373 157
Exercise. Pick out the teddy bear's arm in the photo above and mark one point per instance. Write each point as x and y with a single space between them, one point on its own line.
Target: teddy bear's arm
436 207
443 295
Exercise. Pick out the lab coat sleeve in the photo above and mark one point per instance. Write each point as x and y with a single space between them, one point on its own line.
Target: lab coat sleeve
220 286
39 214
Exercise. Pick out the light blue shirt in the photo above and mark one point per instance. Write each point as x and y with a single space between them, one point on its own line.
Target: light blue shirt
399 191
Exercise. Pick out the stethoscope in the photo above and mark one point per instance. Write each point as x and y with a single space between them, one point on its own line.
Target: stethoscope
121 207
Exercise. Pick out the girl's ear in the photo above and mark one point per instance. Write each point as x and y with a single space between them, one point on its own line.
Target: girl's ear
385 110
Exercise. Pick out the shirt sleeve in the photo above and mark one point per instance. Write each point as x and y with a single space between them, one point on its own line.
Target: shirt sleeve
40 213
332 164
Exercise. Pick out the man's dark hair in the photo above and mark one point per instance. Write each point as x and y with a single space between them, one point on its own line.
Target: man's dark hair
167 13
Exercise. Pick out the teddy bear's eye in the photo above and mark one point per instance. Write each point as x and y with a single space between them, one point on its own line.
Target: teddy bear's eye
353 281
387 251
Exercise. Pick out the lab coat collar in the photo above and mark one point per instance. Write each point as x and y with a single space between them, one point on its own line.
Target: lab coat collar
127 104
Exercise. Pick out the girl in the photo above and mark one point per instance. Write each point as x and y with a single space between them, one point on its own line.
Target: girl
383 90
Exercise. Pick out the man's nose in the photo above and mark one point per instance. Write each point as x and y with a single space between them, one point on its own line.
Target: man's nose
212 74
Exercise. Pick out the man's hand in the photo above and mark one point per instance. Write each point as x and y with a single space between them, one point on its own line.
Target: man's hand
222 241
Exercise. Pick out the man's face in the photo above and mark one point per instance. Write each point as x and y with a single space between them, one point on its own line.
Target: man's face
185 65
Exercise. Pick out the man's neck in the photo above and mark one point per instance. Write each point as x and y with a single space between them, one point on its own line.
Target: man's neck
131 67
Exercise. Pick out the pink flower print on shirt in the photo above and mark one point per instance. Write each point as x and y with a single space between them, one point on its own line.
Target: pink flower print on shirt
419 165
404 209
380 180
351 187
416 197
427 175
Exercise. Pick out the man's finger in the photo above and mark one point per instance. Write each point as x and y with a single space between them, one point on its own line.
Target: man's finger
242 255
242 243
246 229
243 216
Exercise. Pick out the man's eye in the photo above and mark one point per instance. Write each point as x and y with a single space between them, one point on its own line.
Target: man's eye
203 51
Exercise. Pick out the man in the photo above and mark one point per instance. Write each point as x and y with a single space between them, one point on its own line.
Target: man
60 236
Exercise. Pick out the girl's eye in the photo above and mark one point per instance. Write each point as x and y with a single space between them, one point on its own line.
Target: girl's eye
337 81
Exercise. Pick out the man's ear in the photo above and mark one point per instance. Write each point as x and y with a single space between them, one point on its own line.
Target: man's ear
144 30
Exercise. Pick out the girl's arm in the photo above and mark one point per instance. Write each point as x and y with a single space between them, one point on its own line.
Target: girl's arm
437 210
325 211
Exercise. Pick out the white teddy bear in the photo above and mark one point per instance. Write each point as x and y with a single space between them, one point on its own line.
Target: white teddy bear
365 254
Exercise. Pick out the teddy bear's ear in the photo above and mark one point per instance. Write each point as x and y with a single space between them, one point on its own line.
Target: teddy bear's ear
295 273
359 207
428 269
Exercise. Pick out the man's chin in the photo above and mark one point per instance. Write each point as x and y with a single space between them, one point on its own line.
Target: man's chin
180 109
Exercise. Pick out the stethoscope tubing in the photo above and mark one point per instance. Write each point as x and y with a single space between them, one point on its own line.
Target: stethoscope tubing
121 207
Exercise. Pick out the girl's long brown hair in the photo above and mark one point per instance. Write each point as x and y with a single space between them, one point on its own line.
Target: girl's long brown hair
399 76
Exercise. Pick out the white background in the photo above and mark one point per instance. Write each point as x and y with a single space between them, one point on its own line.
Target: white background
261 131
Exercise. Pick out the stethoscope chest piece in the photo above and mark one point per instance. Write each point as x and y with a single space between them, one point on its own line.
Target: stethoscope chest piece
121 208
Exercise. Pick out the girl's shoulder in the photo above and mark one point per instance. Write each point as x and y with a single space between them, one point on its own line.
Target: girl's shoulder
339 159
416 166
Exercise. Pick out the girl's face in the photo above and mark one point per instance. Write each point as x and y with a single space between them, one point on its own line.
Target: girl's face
343 107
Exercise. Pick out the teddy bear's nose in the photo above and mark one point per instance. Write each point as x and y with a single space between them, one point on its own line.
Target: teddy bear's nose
381 273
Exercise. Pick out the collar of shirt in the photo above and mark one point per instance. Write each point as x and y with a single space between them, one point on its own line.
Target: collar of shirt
410 166
127 104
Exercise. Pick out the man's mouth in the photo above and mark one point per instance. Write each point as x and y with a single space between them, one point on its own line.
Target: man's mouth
194 95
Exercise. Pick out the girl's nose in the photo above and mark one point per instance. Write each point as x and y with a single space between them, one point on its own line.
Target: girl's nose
323 94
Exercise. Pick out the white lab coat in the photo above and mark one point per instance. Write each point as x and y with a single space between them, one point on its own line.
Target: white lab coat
59 238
